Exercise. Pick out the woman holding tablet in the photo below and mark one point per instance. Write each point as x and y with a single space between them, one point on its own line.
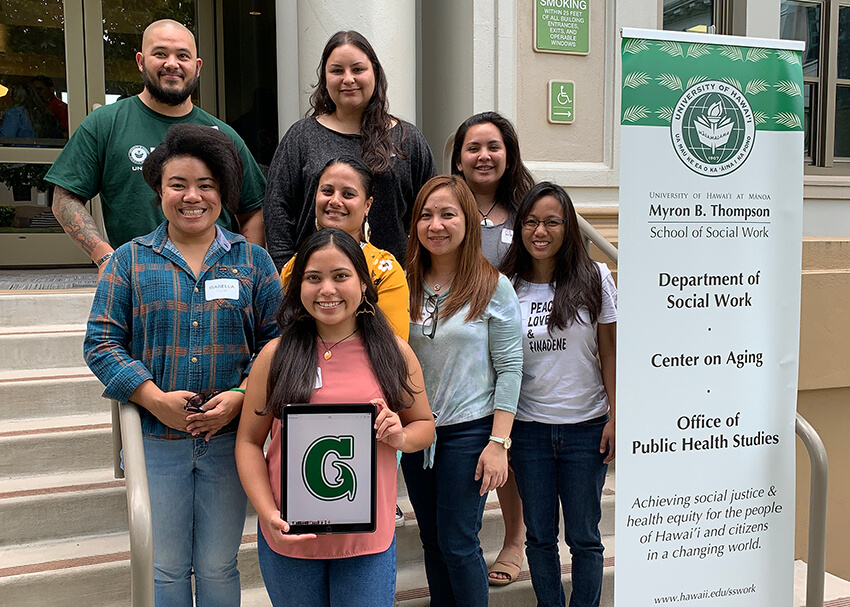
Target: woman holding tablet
465 330
333 341
563 435
343 200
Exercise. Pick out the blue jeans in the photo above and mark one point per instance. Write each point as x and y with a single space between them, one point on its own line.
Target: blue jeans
448 511
198 510
553 462
357 581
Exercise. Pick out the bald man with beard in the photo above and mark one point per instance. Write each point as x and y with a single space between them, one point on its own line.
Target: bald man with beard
105 154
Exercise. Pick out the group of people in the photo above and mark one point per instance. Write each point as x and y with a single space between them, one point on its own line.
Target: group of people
489 352
35 111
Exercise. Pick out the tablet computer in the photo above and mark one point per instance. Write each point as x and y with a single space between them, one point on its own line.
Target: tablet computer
327 468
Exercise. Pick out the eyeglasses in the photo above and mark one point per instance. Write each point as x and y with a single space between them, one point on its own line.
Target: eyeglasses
549 224
195 403
432 312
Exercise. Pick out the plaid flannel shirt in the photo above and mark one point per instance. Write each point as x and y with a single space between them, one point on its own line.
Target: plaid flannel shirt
151 319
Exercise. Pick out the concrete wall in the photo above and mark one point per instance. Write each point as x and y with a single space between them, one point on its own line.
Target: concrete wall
447 74
824 390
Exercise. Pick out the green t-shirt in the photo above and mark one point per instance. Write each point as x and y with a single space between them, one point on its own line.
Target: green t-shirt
105 156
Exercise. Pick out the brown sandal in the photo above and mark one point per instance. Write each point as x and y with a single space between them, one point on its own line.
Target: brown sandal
507 563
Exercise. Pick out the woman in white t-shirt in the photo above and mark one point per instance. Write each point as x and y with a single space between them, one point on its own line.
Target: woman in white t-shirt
563 437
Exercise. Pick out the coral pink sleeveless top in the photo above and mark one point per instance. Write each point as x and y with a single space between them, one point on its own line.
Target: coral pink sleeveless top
346 378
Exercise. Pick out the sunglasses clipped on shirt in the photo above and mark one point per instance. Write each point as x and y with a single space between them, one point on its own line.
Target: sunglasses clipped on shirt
432 312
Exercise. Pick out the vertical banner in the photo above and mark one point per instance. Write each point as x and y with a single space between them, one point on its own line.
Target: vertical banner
710 238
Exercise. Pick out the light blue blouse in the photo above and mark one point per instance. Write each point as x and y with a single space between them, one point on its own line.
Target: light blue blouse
472 368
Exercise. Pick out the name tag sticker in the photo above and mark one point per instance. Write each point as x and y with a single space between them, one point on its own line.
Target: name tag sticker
318 378
221 288
507 235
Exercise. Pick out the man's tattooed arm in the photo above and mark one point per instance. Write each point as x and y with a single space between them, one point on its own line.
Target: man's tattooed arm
70 210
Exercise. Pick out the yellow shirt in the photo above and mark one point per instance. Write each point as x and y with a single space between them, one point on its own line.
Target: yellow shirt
390 282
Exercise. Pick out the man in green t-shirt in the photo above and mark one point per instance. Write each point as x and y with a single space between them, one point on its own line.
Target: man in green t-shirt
105 154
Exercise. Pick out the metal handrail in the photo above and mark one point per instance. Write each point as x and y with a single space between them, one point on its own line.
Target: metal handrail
127 437
817 511
818 493
591 234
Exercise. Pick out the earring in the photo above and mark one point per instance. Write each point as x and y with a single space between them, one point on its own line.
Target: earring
367 230
316 221
365 307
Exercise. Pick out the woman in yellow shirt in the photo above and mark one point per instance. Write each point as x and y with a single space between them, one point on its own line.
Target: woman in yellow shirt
343 199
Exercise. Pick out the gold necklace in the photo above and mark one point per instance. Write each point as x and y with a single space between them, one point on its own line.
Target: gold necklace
332 346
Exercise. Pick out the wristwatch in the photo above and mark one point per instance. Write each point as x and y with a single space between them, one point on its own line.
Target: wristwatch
505 442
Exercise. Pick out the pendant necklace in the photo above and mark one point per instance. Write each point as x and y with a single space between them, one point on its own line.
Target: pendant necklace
437 286
485 220
332 346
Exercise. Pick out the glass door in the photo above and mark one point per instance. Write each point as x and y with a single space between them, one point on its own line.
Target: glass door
60 59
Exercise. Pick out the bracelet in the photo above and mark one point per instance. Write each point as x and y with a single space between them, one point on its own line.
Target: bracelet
103 259
242 390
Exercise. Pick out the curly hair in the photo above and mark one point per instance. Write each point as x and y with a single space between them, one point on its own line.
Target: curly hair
377 147
207 144
517 179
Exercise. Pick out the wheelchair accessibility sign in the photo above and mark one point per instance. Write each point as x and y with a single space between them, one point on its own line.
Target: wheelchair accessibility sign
561 101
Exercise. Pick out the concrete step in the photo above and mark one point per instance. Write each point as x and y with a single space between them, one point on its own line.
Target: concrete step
88 571
29 308
41 347
50 393
412 588
69 444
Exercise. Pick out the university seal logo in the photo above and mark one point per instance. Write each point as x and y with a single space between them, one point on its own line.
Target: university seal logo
712 128
315 465
137 154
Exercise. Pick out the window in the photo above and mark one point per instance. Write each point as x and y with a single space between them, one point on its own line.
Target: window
824 25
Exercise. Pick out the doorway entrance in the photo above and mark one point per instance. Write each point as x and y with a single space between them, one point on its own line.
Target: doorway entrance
61 59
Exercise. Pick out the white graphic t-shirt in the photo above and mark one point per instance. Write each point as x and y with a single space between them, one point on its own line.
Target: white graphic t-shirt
561 378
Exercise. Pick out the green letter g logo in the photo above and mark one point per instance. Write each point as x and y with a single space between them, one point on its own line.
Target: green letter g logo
313 468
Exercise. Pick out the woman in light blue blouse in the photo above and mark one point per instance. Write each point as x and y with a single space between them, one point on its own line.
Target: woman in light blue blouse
465 331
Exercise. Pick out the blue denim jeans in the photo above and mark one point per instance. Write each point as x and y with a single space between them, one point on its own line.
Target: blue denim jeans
448 511
553 462
357 581
198 510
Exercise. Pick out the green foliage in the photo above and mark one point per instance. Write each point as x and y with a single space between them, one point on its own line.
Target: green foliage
24 175
7 216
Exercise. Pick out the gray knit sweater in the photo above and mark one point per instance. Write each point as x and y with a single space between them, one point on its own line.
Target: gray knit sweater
289 208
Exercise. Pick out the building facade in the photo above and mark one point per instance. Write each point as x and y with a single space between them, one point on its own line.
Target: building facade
446 60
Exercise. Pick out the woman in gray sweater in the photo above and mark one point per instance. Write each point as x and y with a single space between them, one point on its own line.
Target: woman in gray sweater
349 116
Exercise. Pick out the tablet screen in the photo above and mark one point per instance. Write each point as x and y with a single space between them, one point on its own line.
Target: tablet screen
328 464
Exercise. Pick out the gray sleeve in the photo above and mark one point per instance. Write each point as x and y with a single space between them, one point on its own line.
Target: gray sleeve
284 198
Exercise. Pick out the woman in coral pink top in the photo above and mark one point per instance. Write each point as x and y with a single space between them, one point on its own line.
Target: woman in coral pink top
331 329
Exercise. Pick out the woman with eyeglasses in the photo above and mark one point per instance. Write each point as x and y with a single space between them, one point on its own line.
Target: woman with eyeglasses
486 154
177 318
563 436
465 331
336 346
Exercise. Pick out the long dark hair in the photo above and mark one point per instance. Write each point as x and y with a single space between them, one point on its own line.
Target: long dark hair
576 279
475 280
517 179
293 368
377 147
